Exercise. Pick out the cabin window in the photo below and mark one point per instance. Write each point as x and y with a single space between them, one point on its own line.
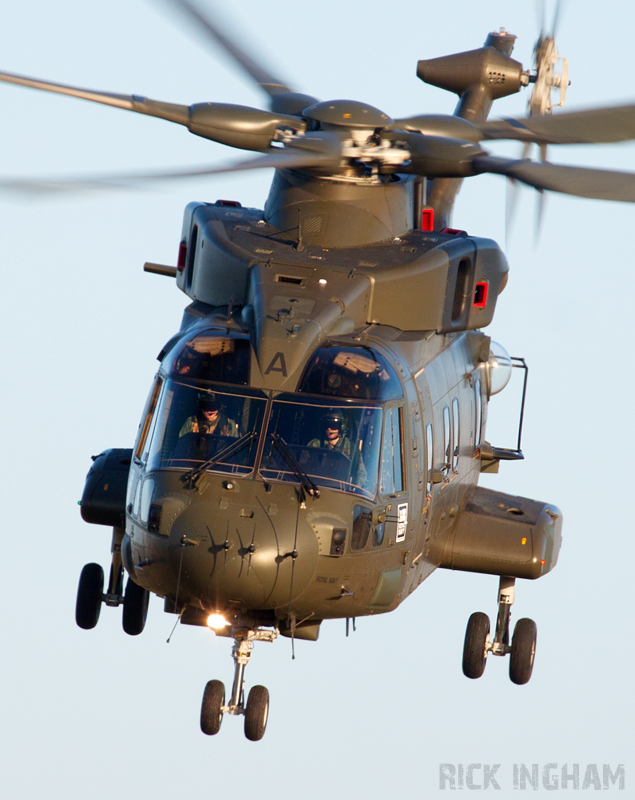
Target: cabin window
361 527
392 462
447 441
455 434
336 445
197 421
479 412
211 356
357 372
147 419
429 455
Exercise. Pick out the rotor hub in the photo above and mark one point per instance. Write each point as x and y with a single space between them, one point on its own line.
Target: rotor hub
346 114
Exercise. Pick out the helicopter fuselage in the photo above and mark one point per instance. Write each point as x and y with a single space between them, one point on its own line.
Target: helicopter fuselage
263 518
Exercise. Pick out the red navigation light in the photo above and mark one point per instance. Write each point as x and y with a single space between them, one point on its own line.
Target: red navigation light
180 264
427 219
480 294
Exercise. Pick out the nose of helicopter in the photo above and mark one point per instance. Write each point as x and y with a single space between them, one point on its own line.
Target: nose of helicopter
243 546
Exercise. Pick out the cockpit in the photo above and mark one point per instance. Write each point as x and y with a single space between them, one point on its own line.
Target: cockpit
202 415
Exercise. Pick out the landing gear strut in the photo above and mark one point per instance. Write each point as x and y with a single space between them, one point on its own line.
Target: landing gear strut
256 709
478 644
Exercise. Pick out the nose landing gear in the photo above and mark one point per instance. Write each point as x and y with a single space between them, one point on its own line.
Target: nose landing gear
478 644
256 709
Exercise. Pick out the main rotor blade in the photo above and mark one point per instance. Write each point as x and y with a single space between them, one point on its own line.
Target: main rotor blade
289 158
599 184
142 105
256 71
592 126
283 98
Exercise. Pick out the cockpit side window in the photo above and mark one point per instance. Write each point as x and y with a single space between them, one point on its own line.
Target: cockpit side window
148 417
358 372
392 463
212 356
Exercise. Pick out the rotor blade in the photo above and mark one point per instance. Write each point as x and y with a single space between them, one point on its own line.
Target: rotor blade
257 72
290 158
540 12
593 126
556 18
142 105
283 98
599 184
236 126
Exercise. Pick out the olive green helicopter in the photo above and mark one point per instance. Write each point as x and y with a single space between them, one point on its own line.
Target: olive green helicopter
312 442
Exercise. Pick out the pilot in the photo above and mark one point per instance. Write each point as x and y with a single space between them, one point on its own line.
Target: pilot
334 438
209 419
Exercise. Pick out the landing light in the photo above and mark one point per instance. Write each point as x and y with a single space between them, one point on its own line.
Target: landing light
216 621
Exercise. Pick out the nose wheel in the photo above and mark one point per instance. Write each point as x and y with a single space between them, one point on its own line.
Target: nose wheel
478 644
256 709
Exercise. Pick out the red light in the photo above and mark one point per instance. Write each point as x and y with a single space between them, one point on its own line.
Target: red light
480 294
228 203
543 562
454 231
427 219
180 264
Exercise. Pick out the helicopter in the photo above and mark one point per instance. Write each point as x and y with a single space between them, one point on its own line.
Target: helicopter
290 331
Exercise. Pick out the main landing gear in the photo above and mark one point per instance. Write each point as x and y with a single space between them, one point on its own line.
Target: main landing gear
91 595
478 643
256 709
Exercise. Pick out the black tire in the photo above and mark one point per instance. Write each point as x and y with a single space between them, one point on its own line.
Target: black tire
135 608
474 648
89 592
521 662
211 707
256 713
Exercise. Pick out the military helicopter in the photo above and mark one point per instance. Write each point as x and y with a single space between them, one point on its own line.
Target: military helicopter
311 445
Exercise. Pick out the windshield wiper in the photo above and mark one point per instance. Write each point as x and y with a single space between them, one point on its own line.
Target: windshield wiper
230 450
306 482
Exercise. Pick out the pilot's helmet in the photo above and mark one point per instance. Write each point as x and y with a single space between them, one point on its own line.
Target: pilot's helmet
208 402
333 420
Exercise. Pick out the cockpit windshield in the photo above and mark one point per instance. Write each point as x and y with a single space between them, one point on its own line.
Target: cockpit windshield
197 421
335 444
211 355
348 371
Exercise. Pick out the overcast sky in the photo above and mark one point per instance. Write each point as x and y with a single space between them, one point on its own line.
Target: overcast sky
101 714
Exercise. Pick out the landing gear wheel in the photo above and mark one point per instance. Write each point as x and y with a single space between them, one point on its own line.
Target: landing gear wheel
135 608
212 707
256 713
475 647
523 651
89 592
